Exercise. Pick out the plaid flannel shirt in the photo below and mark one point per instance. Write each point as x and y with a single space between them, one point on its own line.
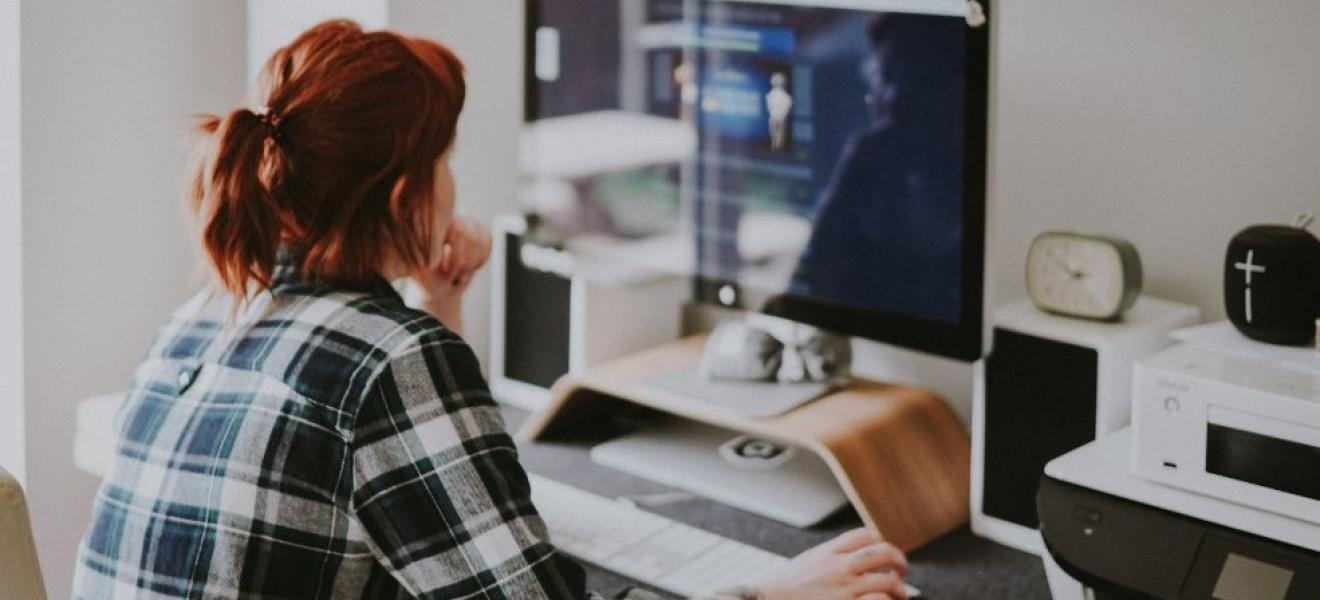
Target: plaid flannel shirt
325 444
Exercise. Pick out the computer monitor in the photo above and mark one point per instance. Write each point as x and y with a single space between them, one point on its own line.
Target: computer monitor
822 160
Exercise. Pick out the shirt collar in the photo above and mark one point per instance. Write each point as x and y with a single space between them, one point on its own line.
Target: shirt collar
287 273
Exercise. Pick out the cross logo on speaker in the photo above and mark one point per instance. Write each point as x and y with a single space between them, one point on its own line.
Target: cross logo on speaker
1248 268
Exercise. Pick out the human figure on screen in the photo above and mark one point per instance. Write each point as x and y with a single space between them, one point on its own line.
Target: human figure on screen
887 231
778 105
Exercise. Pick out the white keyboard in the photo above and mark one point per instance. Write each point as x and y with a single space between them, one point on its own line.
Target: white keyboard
647 547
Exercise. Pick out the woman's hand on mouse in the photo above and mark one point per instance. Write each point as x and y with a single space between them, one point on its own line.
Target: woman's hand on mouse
855 565
466 249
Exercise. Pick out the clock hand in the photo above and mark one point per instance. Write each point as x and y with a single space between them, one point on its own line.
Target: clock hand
1075 274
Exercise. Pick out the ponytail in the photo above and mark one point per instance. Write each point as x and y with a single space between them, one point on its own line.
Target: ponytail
341 170
240 218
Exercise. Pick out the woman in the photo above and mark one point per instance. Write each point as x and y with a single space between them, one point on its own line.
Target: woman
296 431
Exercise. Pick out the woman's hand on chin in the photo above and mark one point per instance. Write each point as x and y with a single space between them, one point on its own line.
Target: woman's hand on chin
441 286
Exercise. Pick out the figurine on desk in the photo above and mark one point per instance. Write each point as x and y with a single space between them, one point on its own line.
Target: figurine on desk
760 365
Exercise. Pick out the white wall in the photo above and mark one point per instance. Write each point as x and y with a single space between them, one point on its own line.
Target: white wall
1169 124
488 37
272 24
108 89
11 246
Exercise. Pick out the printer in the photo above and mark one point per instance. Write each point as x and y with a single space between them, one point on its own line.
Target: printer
1212 493
1118 536
1232 419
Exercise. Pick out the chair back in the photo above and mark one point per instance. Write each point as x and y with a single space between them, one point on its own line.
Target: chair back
20 575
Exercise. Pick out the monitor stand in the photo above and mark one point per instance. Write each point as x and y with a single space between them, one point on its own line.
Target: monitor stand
757 399
770 478
899 453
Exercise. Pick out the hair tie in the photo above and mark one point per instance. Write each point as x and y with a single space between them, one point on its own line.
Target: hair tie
271 120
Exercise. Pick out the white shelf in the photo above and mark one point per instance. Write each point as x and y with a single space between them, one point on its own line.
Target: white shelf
578 146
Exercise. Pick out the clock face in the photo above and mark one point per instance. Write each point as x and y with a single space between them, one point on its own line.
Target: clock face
1081 275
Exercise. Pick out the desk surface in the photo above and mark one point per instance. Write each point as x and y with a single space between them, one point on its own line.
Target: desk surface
955 566
959 565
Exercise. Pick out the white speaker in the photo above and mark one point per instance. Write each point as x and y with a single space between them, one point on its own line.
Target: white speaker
551 317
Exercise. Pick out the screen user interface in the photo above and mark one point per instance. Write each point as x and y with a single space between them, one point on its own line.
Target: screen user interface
811 148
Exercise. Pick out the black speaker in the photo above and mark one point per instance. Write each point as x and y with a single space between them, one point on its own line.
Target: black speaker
1272 283
536 320
550 316
1044 396
1050 384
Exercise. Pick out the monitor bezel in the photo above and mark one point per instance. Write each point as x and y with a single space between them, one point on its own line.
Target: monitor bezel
960 341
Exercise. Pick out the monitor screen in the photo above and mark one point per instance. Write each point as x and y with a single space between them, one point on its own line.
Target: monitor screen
818 159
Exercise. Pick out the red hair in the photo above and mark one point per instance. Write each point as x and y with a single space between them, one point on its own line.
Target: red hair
340 162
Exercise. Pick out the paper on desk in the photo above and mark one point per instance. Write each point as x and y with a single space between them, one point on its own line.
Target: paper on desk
1222 336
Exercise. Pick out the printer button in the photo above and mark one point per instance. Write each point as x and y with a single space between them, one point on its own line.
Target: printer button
1086 514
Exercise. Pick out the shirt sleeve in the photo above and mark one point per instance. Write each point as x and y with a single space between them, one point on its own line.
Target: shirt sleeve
438 488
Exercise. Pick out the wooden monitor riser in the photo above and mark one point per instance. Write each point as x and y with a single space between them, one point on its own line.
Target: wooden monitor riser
899 453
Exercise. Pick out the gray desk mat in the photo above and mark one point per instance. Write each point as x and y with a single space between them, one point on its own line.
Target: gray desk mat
955 567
